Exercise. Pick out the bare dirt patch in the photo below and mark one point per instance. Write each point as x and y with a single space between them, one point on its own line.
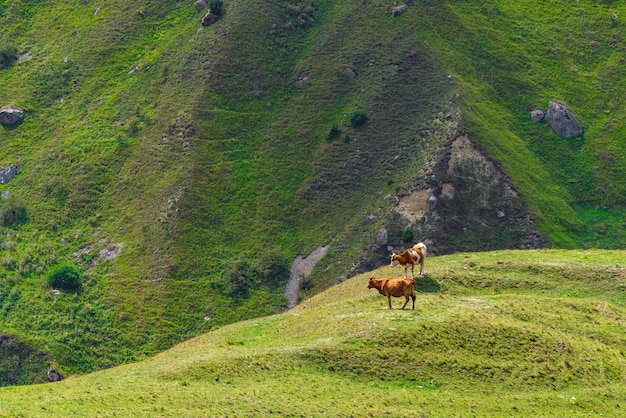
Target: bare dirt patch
300 269
415 205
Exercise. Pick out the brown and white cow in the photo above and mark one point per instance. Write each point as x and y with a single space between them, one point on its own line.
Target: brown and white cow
411 256
394 287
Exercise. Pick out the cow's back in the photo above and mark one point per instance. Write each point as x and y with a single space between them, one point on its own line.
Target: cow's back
399 287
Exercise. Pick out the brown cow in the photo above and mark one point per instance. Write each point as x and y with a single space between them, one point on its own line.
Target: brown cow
410 257
394 287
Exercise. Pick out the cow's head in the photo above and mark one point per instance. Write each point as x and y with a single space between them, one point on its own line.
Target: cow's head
394 261
371 282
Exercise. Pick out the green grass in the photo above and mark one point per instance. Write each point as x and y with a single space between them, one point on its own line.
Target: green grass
507 333
525 57
186 147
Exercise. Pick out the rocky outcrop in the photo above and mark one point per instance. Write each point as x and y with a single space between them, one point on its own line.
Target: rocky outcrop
10 115
469 196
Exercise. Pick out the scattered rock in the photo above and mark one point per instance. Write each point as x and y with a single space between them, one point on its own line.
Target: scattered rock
537 115
10 115
8 173
562 120
54 376
382 238
432 203
209 19
350 73
200 5
24 57
398 10
110 254
55 292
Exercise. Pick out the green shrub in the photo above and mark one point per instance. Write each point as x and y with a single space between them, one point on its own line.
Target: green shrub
408 235
8 55
333 133
270 270
359 117
65 277
273 268
216 7
13 212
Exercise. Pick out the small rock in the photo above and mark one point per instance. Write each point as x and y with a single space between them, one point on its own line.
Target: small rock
55 292
537 115
209 19
398 10
10 115
382 238
200 5
8 173
432 203
54 376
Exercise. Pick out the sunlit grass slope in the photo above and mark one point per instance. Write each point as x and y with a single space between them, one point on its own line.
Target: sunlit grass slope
508 333
515 56
191 151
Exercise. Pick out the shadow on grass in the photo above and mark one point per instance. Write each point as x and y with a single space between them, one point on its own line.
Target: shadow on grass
425 284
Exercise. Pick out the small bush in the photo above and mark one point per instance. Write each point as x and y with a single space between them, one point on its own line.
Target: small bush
408 235
13 212
270 270
216 7
65 277
8 55
359 117
333 133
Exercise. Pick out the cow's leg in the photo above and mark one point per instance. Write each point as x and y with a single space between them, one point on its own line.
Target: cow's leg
405 271
412 271
422 267
389 300
413 297
405 302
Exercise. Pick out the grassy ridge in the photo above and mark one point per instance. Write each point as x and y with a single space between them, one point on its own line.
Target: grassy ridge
504 333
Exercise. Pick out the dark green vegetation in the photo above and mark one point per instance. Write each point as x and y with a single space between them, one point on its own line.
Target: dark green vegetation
65 277
166 159
507 333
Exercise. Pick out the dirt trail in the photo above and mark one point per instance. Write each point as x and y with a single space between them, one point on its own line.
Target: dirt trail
300 269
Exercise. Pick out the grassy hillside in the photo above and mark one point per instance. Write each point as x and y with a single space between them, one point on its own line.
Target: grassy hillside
507 333
181 168
526 55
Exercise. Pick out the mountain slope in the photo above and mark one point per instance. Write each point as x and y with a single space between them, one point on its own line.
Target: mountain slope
521 333
181 168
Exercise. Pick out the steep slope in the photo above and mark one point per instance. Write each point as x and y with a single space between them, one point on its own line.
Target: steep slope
182 167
